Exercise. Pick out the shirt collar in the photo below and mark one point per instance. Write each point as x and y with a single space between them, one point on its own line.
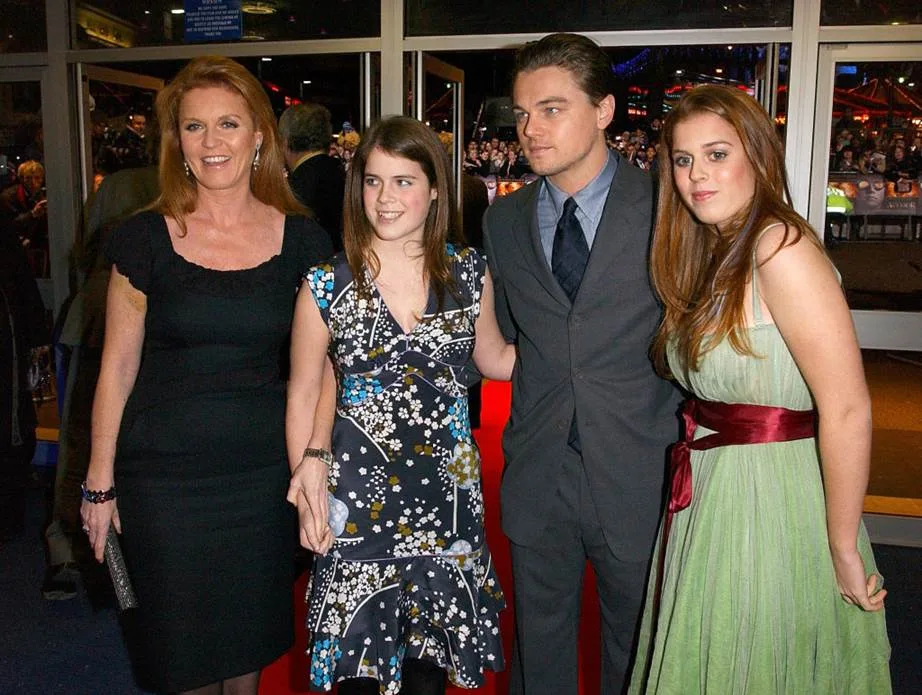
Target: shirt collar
591 197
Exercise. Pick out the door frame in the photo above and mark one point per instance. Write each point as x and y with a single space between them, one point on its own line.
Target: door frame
426 64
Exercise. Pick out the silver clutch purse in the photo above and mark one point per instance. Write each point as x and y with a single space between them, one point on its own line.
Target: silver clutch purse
115 561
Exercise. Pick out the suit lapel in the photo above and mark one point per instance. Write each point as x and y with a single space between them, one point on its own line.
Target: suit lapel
621 205
529 239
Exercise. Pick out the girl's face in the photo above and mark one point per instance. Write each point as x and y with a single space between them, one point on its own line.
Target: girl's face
712 173
396 195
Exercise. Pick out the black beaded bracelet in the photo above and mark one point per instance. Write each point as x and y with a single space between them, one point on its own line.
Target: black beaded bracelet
97 496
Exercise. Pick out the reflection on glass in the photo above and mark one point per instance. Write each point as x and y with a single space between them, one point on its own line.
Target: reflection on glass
23 194
115 23
22 26
851 13
874 192
447 17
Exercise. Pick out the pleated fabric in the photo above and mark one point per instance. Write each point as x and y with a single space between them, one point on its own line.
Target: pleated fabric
749 602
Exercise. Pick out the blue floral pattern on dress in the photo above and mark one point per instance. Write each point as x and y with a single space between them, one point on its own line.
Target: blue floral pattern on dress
409 573
320 280
324 655
355 388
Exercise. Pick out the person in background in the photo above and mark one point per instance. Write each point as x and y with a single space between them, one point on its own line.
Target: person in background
764 580
128 144
22 329
586 439
407 596
188 456
317 179
24 206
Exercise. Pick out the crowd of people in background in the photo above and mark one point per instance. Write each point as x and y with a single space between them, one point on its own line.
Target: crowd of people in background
894 153
502 159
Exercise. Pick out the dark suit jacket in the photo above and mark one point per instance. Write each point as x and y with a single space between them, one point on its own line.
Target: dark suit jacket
320 184
589 358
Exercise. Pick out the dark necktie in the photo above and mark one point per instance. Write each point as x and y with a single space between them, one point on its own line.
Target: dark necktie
568 262
571 252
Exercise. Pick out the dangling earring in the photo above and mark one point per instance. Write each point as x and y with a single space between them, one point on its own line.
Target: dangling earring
256 159
185 165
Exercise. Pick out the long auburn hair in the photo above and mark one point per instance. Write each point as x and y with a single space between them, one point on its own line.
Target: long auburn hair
402 136
699 273
179 193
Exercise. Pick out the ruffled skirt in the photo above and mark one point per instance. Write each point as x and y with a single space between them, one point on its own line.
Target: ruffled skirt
366 617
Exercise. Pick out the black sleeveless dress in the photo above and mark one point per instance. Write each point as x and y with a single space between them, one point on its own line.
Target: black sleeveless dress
201 467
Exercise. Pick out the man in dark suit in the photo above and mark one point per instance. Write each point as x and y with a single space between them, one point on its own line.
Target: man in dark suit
316 178
586 440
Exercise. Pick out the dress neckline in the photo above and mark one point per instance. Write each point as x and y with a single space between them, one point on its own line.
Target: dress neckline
391 315
262 264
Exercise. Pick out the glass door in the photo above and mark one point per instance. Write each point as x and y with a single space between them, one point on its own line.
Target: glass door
115 107
866 200
865 189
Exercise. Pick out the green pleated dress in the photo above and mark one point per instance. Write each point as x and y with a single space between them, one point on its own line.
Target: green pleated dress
749 602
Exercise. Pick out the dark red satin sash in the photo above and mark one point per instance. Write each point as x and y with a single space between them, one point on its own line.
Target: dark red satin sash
733 423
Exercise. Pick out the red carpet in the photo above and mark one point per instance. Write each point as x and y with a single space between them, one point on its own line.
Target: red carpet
290 673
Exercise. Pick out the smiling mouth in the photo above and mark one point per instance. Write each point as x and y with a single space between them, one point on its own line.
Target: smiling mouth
215 160
388 216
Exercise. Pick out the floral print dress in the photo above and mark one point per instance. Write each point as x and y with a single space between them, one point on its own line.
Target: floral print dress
409 574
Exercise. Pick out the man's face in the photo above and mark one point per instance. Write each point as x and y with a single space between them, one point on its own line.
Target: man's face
558 125
33 181
138 123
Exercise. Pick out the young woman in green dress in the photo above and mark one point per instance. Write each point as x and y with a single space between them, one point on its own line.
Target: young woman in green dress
764 581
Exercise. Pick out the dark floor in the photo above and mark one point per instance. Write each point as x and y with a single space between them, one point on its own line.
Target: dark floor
67 648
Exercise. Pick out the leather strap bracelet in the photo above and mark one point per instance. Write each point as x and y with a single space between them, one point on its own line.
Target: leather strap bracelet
323 455
97 496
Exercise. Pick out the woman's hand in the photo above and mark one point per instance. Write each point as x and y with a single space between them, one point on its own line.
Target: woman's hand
97 517
308 492
856 588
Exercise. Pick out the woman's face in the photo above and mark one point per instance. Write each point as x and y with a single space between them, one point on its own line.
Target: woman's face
218 137
396 194
712 173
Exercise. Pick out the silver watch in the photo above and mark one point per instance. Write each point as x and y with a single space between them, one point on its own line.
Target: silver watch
322 454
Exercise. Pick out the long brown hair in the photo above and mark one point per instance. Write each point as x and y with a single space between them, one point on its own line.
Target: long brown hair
701 274
401 136
179 194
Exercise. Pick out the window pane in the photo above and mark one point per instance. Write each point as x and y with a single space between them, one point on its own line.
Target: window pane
116 23
873 200
23 200
855 12
895 380
22 26
446 17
